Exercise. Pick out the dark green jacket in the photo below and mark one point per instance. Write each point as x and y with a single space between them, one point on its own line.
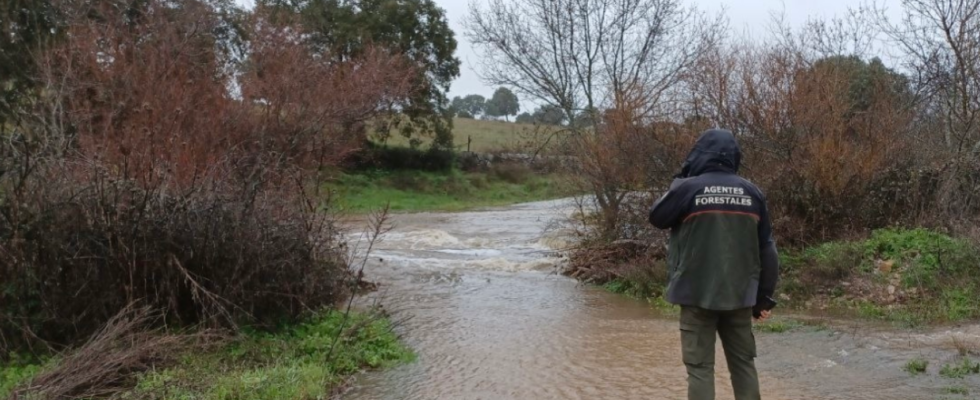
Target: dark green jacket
721 254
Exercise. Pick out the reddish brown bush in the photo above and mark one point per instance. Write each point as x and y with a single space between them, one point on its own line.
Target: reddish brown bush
157 170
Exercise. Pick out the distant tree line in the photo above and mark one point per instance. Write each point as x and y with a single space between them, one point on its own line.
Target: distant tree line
506 104
503 104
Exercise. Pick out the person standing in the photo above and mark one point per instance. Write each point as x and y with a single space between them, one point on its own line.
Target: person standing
722 263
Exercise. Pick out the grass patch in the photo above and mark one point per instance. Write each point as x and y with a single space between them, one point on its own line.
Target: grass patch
960 390
637 289
961 370
662 305
444 191
293 363
927 275
16 372
916 366
643 289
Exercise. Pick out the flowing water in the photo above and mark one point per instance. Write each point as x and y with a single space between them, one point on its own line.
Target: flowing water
478 299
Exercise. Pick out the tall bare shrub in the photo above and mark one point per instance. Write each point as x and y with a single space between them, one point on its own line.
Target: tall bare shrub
157 172
589 56
939 45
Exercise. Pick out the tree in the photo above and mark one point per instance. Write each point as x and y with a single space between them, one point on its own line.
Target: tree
469 106
25 26
868 82
586 118
561 53
416 28
29 27
574 55
525 118
503 104
941 45
549 115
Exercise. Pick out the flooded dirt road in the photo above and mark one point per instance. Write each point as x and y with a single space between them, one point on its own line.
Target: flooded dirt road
489 319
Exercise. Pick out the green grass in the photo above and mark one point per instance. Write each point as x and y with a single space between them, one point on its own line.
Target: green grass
17 371
935 266
916 366
958 371
869 310
960 390
292 363
408 191
651 291
635 289
661 304
486 135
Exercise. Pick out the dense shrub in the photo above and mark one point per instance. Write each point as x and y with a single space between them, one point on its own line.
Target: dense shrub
635 264
80 251
516 173
135 178
374 157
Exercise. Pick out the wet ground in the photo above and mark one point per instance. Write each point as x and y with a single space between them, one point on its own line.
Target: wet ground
479 301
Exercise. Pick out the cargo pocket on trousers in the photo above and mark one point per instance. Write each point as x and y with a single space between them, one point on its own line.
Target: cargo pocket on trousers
691 346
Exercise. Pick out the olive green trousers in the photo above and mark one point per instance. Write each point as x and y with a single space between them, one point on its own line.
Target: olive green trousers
698 329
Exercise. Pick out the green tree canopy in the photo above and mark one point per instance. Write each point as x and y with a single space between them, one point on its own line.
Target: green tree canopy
549 115
415 28
525 118
504 103
469 106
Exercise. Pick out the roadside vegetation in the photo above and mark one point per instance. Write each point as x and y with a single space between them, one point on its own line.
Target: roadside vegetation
309 359
162 238
298 362
916 366
454 190
903 275
958 371
958 390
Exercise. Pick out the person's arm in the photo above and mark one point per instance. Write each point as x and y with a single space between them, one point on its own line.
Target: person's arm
669 209
767 254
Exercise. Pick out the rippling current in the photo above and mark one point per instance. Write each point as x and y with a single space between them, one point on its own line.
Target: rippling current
478 299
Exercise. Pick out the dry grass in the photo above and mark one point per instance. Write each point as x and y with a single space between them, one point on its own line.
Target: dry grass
110 361
486 136
625 260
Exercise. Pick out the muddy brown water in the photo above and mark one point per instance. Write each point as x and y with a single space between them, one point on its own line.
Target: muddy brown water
480 303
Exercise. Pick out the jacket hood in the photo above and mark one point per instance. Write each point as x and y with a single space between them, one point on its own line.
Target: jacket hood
715 151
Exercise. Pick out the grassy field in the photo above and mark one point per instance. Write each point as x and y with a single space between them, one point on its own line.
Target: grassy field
294 363
409 191
485 135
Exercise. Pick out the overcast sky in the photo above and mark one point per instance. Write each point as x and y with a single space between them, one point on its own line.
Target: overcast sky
750 16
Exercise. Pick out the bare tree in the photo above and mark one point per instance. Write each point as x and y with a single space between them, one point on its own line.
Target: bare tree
618 63
588 55
940 42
